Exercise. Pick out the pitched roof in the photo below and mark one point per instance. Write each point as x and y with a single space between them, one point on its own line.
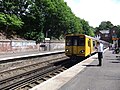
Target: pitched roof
104 31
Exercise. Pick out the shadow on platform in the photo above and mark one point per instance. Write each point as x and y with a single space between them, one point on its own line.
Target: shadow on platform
91 65
113 59
115 62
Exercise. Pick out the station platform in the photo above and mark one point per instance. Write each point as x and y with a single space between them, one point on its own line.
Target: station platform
86 75
16 55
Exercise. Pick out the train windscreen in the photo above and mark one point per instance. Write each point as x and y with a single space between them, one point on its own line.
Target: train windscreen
68 41
81 42
75 41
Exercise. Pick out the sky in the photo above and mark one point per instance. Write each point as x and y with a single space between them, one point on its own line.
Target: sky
96 11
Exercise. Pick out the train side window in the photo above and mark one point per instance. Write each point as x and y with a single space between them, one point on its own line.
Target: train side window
93 43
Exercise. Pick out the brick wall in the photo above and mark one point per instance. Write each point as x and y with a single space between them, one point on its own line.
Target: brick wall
17 45
26 45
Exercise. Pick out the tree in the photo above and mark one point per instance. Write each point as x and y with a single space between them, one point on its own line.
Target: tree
34 18
34 22
17 7
10 22
118 31
105 25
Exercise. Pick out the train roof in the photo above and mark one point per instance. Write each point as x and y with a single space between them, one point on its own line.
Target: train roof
79 35
102 41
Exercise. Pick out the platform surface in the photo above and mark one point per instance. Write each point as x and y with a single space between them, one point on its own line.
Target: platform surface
15 55
87 75
106 77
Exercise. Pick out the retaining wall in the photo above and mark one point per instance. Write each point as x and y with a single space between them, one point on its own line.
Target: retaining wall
26 45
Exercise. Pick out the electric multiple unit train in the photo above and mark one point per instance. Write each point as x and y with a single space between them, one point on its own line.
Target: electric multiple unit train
80 45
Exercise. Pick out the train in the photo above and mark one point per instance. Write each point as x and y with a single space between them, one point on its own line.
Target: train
81 45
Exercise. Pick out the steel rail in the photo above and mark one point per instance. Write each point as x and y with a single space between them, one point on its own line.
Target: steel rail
36 73
25 73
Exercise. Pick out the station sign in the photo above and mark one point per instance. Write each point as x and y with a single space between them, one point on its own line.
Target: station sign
47 39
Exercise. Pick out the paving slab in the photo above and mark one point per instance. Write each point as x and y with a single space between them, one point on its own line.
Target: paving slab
105 77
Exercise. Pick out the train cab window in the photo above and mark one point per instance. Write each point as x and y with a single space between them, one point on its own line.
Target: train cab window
81 42
68 41
75 42
72 40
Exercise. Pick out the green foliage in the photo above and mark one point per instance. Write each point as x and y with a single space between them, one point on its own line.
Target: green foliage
35 36
2 19
14 21
10 21
88 30
118 31
91 32
34 22
17 7
105 25
34 18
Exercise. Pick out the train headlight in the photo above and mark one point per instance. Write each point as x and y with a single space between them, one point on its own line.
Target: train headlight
67 50
82 51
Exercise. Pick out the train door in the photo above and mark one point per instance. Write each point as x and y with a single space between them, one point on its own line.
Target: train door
81 46
89 46
94 45
75 45
71 45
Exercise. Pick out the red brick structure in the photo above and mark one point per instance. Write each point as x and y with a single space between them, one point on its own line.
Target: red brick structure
107 35
17 45
103 35
28 45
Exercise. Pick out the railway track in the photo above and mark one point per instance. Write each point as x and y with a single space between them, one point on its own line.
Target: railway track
34 77
26 72
24 64
26 68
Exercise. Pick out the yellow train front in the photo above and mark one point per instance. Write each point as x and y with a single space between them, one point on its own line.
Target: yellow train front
79 45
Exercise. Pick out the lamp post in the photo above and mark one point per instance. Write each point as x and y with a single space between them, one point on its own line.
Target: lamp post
47 39
47 33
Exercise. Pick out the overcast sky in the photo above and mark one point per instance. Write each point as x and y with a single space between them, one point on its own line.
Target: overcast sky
96 11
